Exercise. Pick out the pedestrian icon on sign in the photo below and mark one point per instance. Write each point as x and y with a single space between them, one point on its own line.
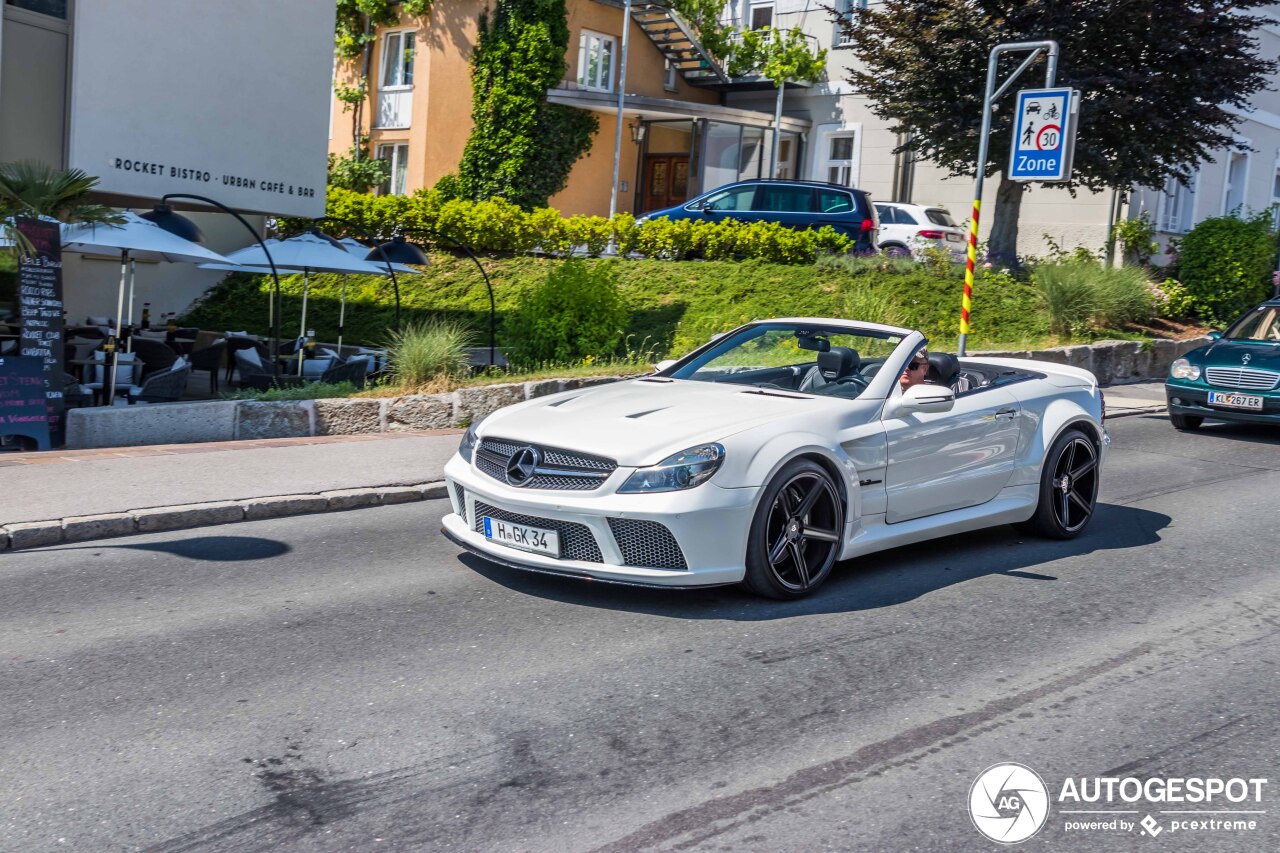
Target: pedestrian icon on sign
1028 134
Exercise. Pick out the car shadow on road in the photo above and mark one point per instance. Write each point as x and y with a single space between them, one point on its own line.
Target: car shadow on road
867 583
1249 433
210 548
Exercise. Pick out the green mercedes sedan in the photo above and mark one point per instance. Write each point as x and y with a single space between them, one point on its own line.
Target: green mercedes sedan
1234 378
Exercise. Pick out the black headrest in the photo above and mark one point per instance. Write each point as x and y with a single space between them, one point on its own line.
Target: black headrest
837 362
943 367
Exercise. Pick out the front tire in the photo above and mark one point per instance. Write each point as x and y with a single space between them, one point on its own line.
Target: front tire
1185 423
796 534
1068 487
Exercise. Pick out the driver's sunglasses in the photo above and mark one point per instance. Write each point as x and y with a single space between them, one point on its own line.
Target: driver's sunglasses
916 365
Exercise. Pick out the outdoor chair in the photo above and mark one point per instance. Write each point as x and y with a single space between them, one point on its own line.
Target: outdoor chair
236 343
353 371
127 373
210 358
254 371
165 386
154 355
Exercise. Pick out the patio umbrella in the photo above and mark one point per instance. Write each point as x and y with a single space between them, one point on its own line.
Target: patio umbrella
310 252
360 250
133 238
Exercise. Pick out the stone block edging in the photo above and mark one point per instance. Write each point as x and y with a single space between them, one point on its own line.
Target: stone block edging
1113 362
84 528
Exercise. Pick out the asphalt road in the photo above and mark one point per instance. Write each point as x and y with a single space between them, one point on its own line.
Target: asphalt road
347 682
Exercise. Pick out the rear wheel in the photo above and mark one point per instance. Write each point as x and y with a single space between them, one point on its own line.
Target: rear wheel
795 536
1068 487
896 251
1186 423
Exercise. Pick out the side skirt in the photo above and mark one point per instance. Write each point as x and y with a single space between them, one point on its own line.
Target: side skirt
1012 504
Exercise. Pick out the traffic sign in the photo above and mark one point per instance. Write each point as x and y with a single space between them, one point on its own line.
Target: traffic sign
1044 138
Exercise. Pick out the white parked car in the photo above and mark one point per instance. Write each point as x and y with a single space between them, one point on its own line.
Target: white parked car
772 452
905 229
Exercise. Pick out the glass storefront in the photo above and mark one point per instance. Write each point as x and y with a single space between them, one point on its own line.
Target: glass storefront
53 8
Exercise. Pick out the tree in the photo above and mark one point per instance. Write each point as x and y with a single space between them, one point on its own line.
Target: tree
1157 78
33 188
521 147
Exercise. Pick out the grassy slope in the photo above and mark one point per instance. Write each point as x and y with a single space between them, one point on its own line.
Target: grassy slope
674 305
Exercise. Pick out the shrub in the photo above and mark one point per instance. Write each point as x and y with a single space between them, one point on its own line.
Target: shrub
423 352
1082 294
575 313
1225 263
310 391
588 233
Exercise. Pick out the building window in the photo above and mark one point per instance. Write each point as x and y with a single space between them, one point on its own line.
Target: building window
843 9
1233 190
1275 198
669 75
397 60
761 15
397 154
840 159
1177 205
595 61
52 8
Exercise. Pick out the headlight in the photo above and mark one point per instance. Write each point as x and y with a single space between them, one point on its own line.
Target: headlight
684 470
469 441
1183 369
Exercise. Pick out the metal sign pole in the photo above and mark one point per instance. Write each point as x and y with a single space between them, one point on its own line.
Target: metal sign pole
989 98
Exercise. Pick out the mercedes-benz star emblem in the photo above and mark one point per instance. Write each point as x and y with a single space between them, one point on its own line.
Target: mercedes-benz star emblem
522 464
1245 358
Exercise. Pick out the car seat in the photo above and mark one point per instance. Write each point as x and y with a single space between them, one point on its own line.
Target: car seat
944 369
833 365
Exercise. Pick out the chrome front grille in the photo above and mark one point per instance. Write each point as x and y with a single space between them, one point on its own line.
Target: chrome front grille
576 540
560 470
647 544
1244 378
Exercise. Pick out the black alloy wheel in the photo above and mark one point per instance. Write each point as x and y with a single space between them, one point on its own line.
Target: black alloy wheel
1068 487
796 534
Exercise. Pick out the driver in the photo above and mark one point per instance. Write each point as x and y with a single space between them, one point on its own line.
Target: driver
915 372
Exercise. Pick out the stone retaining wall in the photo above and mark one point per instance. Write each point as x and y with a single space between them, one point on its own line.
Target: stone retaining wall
1113 362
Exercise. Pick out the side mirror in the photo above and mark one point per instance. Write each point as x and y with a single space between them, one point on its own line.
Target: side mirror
925 399
706 207
663 365
1215 336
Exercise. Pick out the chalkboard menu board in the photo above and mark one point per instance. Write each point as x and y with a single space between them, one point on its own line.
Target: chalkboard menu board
40 313
24 407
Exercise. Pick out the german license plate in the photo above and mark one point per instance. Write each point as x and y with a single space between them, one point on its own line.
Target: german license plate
1235 401
954 238
520 536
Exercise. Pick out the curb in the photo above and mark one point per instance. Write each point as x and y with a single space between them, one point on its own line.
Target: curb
86 528
1145 410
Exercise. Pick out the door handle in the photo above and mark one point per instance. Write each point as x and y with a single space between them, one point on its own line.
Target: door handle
1006 413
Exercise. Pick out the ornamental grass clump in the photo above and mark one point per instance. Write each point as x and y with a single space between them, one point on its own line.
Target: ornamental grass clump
429 352
1080 296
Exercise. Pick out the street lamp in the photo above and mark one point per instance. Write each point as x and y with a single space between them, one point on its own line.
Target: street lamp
164 216
401 251
638 130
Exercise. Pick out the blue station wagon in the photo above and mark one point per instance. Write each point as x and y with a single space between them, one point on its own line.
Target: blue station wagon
797 204
1235 378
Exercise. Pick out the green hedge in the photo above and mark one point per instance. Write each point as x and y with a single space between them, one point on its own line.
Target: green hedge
1225 264
672 306
498 226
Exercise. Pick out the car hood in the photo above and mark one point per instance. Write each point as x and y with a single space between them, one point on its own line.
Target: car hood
1224 353
643 421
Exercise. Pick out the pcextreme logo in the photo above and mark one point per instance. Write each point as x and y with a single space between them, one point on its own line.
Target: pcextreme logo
1009 803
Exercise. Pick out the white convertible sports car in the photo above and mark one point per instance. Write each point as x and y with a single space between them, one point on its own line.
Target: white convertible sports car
772 452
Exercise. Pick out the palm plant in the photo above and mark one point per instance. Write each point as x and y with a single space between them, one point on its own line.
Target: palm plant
33 188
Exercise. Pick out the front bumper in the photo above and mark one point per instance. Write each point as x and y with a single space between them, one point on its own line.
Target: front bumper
709 525
1193 401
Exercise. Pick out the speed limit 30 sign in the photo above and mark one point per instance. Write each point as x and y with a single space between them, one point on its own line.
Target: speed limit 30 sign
1044 135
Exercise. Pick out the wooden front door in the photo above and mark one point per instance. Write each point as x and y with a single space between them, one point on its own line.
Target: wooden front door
666 181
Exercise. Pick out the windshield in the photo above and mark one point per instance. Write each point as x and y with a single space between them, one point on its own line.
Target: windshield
1260 324
830 361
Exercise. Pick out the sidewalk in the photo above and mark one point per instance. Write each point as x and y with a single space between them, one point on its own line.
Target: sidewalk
79 495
